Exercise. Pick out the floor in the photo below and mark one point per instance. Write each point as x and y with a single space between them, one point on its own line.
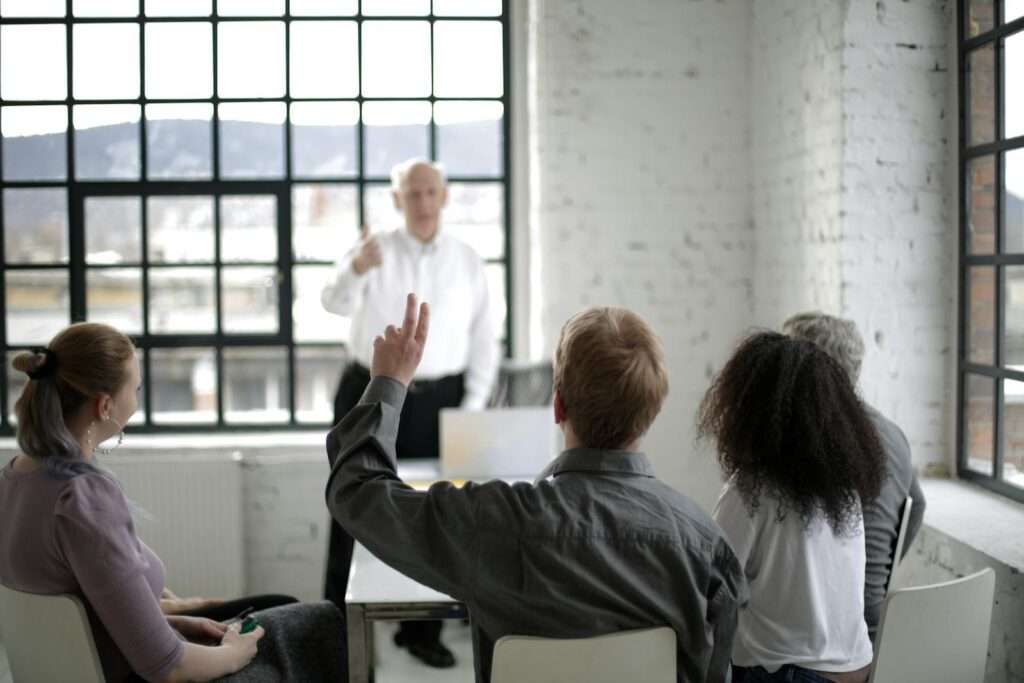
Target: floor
394 665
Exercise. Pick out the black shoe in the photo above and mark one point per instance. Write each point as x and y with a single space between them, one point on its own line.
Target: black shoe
432 653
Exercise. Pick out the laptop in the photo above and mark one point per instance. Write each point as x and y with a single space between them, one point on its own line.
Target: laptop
501 443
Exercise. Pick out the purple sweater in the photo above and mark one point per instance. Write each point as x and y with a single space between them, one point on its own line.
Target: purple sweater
77 536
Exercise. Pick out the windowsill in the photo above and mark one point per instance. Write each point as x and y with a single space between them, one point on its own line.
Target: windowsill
981 519
218 441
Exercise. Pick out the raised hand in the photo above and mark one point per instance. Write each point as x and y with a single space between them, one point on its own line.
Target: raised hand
397 353
368 256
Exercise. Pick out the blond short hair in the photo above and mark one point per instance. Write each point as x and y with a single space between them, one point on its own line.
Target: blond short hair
610 375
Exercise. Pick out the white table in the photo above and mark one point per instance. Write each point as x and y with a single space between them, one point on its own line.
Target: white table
376 592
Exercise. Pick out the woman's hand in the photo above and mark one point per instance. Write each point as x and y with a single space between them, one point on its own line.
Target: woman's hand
242 646
397 353
198 629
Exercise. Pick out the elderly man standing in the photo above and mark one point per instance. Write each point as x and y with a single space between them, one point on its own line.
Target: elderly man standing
458 370
841 340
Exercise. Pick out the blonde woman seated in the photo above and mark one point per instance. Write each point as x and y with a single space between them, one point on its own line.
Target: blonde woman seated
800 454
67 528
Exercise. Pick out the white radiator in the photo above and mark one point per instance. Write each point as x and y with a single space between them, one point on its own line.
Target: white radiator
192 517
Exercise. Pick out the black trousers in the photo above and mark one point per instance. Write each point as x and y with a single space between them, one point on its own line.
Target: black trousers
228 610
418 437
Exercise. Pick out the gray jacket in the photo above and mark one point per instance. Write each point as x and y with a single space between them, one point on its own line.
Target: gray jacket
603 546
882 515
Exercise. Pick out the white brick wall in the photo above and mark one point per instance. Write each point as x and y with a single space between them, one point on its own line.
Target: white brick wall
719 164
641 176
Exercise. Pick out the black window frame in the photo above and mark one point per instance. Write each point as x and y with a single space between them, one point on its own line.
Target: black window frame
281 188
997 260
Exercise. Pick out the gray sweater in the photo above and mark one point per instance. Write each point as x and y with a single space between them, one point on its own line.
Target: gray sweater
882 516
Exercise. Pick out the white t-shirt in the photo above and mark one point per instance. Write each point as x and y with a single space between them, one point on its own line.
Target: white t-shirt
806 588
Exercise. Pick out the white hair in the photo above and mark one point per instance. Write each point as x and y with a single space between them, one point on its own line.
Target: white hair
838 337
401 171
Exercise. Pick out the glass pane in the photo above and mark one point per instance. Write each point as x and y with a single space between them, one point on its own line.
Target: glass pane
179 8
37 305
106 64
250 59
140 412
248 228
250 8
174 73
107 142
113 230
380 212
1012 9
324 139
180 229
468 59
311 322
323 8
324 221
396 58
33 62
181 301
36 225
105 8
316 377
981 17
981 206
395 132
252 140
978 416
1013 79
1013 432
396 8
249 299
184 385
981 313
34 142
16 381
32 8
474 215
1013 342
1013 200
255 385
469 140
114 296
467 8
179 141
982 93
324 59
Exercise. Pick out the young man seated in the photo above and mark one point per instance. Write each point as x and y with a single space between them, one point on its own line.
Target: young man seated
601 546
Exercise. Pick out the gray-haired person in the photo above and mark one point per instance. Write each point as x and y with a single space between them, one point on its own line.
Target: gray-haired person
841 340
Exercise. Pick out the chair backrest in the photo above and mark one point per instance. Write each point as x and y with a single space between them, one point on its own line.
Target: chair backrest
647 655
48 638
936 633
901 539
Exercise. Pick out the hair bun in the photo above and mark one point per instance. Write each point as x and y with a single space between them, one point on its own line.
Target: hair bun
27 362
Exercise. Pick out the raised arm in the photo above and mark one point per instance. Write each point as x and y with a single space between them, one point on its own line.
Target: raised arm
430 536
342 292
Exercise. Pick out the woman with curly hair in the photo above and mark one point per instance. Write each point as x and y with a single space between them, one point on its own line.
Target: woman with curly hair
800 455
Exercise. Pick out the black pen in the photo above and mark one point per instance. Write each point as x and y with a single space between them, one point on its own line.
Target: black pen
241 615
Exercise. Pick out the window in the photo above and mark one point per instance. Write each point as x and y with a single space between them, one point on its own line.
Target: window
991 354
188 170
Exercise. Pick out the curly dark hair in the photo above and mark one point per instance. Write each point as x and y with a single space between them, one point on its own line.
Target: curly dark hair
787 422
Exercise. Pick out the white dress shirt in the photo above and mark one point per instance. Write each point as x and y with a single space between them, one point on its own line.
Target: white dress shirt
446 273
806 588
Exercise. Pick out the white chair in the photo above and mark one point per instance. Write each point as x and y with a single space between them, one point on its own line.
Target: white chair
48 638
647 655
901 539
936 633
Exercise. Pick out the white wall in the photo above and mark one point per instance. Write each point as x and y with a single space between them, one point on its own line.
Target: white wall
639 145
